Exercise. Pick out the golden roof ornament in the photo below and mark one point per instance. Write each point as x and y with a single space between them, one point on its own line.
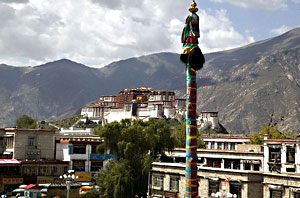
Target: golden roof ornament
193 7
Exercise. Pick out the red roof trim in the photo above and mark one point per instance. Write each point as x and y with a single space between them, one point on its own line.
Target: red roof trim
280 140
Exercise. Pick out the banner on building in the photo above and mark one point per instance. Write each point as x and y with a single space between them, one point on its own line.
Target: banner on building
12 180
102 157
83 177
44 180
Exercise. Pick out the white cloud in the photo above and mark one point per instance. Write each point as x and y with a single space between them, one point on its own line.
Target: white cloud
97 32
296 1
218 33
265 4
14 1
280 30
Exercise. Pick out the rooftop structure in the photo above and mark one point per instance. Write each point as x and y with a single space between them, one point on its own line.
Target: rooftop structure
141 103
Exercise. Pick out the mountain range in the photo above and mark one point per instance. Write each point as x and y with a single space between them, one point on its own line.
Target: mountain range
246 85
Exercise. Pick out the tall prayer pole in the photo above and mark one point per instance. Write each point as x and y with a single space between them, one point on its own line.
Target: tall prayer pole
194 60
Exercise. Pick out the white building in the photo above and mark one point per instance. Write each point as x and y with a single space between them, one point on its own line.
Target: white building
78 147
142 103
248 171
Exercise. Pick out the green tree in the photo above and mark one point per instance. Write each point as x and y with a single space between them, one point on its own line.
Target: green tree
26 122
179 136
137 144
272 131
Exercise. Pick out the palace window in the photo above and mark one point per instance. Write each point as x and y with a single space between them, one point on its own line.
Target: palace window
174 183
158 181
247 166
236 188
290 154
78 165
79 149
236 164
275 155
275 193
31 141
219 145
215 163
94 149
232 146
96 165
296 194
213 187
256 167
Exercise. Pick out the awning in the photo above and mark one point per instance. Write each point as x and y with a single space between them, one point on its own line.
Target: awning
275 146
294 189
214 178
9 162
275 187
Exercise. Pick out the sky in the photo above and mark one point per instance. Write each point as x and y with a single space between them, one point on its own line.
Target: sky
98 32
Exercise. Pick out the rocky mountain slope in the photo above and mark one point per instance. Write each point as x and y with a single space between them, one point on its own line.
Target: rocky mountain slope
59 89
245 85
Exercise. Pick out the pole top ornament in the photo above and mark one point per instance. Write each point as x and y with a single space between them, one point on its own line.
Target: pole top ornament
193 7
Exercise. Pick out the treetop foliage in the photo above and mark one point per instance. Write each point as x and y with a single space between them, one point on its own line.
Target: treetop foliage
129 138
26 122
272 130
137 144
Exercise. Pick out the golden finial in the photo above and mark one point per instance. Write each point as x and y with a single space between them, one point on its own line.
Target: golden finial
193 7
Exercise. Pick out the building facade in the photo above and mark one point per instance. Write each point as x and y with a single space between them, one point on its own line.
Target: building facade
247 171
29 144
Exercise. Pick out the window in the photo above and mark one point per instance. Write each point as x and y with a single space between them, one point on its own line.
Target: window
291 170
200 160
290 155
247 166
232 146
79 149
226 146
219 145
78 165
96 166
227 164
206 145
31 141
9 142
297 195
232 164
275 155
158 181
174 183
236 164
159 107
215 163
213 187
236 188
94 149
212 145
275 193
256 167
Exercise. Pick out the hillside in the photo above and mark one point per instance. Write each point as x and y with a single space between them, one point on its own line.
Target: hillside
246 85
